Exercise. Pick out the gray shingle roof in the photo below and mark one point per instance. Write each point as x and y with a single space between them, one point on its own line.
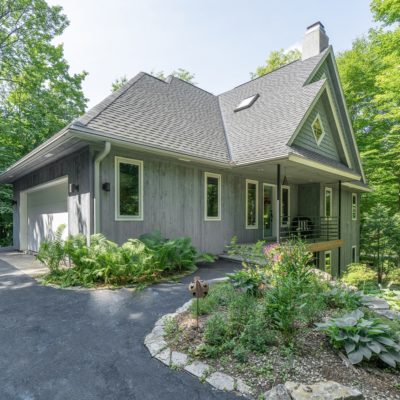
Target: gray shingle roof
172 115
177 116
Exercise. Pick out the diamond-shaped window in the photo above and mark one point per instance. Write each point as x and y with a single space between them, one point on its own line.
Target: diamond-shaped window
318 129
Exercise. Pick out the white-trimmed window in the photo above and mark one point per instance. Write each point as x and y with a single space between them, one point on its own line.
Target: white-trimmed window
251 204
212 197
128 189
318 129
328 202
328 262
285 205
354 206
354 255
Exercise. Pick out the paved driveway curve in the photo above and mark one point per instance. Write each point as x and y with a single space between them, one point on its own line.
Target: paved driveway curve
81 345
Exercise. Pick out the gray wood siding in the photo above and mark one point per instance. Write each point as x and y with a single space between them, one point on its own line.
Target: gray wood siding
77 166
174 203
306 138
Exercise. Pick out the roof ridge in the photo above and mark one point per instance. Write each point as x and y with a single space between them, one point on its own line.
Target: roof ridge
189 83
110 99
259 77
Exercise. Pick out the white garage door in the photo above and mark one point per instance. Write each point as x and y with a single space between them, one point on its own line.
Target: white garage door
47 209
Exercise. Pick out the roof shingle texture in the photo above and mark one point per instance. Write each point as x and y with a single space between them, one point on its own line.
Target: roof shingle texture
179 117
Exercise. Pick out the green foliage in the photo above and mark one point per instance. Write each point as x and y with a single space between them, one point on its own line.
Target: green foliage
219 295
275 60
52 252
38 94
179 73
104 262
215 330
250 254
338 297
118 83
257 335
381 238
362 338
360 276
371 83
251 279
386 11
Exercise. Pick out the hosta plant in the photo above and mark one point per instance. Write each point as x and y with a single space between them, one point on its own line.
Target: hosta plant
362 338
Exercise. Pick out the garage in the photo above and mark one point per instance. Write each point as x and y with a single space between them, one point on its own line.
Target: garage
46 210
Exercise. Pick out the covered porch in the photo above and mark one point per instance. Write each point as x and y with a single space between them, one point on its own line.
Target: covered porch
301 198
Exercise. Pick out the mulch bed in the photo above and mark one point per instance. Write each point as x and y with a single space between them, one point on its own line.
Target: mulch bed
311 361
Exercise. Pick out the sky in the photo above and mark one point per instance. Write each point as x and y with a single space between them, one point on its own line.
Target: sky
220 41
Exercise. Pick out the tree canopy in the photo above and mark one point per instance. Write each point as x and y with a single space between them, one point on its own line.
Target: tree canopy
275 60
180 73
38 94
370 76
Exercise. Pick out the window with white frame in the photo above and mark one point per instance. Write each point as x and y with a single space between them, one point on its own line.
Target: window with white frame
128 189
212 197
285 205
328 203
328 262
318 129
354 257
354 206
251 204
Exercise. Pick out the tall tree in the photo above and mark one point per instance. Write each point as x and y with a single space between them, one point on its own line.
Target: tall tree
38 94
180 73
118 83
371 81
276 59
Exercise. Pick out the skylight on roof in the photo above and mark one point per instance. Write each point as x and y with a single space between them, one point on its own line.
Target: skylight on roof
247 102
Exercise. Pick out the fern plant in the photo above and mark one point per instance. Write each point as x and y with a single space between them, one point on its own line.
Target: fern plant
362 338
52 252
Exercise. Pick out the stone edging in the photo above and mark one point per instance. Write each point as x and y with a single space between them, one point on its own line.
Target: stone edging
159 349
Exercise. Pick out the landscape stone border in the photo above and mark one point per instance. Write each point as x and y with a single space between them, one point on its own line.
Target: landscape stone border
159 349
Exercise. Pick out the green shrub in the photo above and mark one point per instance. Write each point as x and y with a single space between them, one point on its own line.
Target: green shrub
102 261
343 298
393 277
219 295
362 338
251 279
361 276
51 252
215 330
239 311
257 335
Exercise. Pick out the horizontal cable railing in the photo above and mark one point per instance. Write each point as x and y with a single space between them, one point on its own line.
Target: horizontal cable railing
310 228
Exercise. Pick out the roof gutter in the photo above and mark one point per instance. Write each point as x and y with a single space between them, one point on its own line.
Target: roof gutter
96 201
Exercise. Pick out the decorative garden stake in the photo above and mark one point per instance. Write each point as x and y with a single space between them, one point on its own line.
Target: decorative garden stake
199 289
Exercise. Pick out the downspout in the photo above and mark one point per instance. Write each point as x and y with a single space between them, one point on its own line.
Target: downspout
96 201
340 228
278 202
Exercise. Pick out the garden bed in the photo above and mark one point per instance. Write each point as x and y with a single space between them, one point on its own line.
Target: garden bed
282 322
310 361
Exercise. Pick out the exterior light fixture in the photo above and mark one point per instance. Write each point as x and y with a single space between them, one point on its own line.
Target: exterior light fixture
106 186
73 188
285 181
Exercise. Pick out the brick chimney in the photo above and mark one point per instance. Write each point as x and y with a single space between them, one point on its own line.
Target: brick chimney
315 40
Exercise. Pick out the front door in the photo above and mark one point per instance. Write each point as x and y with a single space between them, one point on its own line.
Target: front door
269 210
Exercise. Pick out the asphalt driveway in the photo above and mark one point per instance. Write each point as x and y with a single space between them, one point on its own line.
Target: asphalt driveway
83 344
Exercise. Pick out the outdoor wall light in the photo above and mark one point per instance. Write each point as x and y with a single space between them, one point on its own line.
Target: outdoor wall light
73 188
14 202
106 186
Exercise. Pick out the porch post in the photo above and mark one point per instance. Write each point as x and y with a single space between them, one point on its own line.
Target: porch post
339 226
278 202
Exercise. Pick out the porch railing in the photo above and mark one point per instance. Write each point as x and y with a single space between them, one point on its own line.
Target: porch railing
310 228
